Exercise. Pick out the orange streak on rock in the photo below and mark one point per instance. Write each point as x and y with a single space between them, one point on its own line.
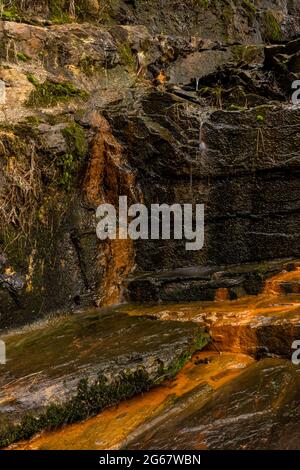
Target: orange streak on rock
113 426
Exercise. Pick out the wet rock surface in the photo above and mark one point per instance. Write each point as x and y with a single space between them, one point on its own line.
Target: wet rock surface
211 74
257 410
204 283
207 119
240 178
50 365
111 430
264 325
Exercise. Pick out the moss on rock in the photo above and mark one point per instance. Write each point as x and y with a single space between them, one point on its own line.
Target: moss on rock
88 401
50 94
272 28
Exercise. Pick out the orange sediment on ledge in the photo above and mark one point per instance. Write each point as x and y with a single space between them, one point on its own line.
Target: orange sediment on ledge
113 426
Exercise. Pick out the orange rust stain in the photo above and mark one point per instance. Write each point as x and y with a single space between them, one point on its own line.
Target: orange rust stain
108 176
110 428
273 285
234 325
222 294
161 77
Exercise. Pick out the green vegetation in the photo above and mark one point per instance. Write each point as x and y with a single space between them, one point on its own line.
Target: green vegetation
126 55
227 15
260 118
213 94
69 163
200 341
57 12
37 183
245 53
9 11
272 27
75 138
88 65
31 78
88 401
49 94
236 107
23 57
203 3
249 8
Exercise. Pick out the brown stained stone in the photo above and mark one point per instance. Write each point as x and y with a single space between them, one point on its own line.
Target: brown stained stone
260 409
111 429
45 364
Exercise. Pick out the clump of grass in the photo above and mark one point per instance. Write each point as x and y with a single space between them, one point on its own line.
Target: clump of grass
244 53
23 57
88 401
202 3
69 163
260 118
20 186
61 11
9 11
213 94
272 27
88 65
49 94
126 55
249 8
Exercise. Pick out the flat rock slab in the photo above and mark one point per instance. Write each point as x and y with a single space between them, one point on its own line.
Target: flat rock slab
260 409
81 364
261 326
204 282
206 372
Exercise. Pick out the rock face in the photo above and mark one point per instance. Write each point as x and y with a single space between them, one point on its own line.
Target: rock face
202 375
247 413
264 325
72 369
241 179
206 282
208 120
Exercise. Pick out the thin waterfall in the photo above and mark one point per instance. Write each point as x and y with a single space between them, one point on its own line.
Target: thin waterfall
201 147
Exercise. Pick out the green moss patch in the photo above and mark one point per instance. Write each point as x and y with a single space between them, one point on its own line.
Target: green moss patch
273 30
249 8
50 94
77 151
104 357
126 55
10 12
88 401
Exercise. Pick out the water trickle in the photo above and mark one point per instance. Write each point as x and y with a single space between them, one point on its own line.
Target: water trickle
201 146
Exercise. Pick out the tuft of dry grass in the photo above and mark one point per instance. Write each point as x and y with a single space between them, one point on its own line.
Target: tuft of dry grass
20 187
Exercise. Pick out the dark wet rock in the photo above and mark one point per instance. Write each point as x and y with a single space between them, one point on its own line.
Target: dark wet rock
248 178
74 367
264 325
284 60
12 282
3 261
265 330
11 285
291 287
203 283
260 409
198 64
